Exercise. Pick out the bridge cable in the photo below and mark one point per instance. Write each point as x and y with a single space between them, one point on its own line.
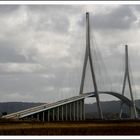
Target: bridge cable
101 65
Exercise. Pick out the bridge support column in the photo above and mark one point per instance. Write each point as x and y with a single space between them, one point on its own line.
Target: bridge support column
32 116
81 110
74 111
48 115
43 116
62 113
53 114
66 112
57 113
70 112
38 116
77 109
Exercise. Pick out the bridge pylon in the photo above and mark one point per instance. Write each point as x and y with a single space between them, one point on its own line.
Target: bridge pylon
133 111
89 55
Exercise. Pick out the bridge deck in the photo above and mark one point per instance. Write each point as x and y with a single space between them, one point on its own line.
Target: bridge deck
40 108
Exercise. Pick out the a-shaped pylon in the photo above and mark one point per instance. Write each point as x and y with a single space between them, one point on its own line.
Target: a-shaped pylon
127 77
89 55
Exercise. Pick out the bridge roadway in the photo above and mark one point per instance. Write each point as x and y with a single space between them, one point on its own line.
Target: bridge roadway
40 108
44 107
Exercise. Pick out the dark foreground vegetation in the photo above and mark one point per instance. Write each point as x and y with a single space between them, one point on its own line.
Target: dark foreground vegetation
91 127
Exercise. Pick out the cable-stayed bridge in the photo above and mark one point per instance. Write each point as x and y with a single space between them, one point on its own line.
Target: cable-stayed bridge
72 108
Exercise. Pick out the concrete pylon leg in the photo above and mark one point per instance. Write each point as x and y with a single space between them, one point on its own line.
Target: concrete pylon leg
132 113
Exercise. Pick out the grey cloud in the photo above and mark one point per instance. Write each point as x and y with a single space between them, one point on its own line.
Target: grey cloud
136 7
56 73
53 17
119 18
61 9
9 52
24 82
8 9
34 85
55 23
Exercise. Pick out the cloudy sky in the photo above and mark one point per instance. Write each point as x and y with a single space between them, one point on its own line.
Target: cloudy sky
42 49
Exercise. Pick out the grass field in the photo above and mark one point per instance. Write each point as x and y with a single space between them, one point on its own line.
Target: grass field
95 127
